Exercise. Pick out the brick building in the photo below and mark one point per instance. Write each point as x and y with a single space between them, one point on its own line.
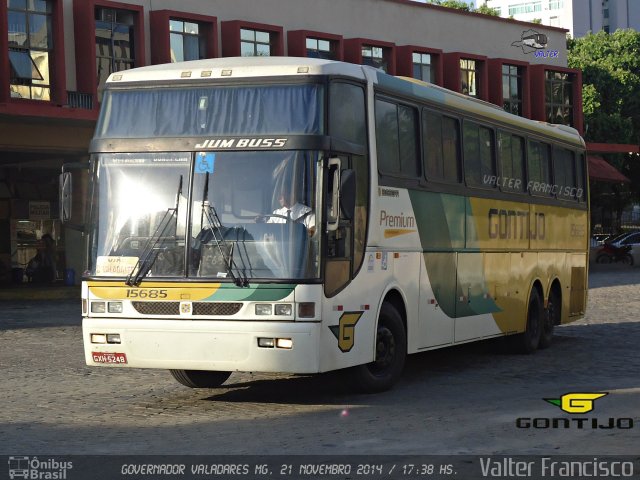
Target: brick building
58 53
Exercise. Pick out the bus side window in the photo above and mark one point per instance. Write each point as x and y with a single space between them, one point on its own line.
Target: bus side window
441 147
511 154
565 174
397 139
479 155
339 251
346 245
347 119
539 167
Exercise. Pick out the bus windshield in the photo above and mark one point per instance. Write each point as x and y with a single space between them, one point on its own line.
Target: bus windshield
198 111
223 215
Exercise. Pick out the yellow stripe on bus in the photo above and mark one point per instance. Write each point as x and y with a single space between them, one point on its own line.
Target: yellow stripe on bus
152 291
396 232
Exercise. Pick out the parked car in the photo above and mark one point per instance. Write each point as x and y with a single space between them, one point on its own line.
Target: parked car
622 248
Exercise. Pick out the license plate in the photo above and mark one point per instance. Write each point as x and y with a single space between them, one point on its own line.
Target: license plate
109 357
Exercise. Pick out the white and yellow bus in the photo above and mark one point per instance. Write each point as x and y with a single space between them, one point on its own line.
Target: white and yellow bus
429 219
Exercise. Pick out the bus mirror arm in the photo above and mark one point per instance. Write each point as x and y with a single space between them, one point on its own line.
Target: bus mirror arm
333 213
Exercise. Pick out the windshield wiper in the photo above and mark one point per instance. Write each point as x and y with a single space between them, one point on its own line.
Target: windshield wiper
152 248
215 227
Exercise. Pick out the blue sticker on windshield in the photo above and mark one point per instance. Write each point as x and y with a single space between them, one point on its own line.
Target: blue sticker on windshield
205 162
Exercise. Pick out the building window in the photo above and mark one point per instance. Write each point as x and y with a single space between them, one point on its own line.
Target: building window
559 97
255 43
556 4
187 43
512 89
319 48
468 77
526 7
114 42
374 57
30 47
422 67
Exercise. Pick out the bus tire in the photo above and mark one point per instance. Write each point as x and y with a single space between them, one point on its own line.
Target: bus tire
551 318
200 378
527 342
391 352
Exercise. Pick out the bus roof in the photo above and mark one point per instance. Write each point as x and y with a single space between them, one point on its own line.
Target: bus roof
237 67
254 67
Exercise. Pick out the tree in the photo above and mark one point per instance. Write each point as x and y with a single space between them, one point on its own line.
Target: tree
457 4
486 10
467 6
610 65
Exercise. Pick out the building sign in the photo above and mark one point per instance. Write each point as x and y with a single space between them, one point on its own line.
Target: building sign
39 210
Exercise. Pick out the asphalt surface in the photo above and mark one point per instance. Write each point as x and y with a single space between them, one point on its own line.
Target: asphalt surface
461 400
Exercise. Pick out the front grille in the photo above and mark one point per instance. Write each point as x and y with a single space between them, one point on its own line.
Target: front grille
157 308
216 308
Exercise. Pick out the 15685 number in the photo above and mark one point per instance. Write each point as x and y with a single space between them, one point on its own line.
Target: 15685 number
146 293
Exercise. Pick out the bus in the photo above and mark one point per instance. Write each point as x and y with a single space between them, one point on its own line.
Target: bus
430 219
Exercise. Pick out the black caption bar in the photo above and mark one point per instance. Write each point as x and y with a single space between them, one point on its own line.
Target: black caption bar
200 467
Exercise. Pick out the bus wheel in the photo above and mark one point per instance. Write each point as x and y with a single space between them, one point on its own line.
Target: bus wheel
528 341
391 350
551 318
200 378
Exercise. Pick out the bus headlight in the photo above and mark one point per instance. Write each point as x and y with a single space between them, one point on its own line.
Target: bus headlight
264 309
98 307
285 309
98 338
284 343
115 307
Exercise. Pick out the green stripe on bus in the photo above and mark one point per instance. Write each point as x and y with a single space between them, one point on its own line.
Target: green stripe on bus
267 293
457 279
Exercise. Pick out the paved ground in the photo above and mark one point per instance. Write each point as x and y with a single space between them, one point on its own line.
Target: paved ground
463 400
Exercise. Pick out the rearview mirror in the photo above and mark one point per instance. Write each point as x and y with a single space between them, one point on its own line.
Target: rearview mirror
65 196
333 212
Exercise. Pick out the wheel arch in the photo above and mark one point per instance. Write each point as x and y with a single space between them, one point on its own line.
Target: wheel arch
397 300
556 288
538 286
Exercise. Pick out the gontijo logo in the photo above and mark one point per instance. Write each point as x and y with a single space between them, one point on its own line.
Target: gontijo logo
576 402
345 331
